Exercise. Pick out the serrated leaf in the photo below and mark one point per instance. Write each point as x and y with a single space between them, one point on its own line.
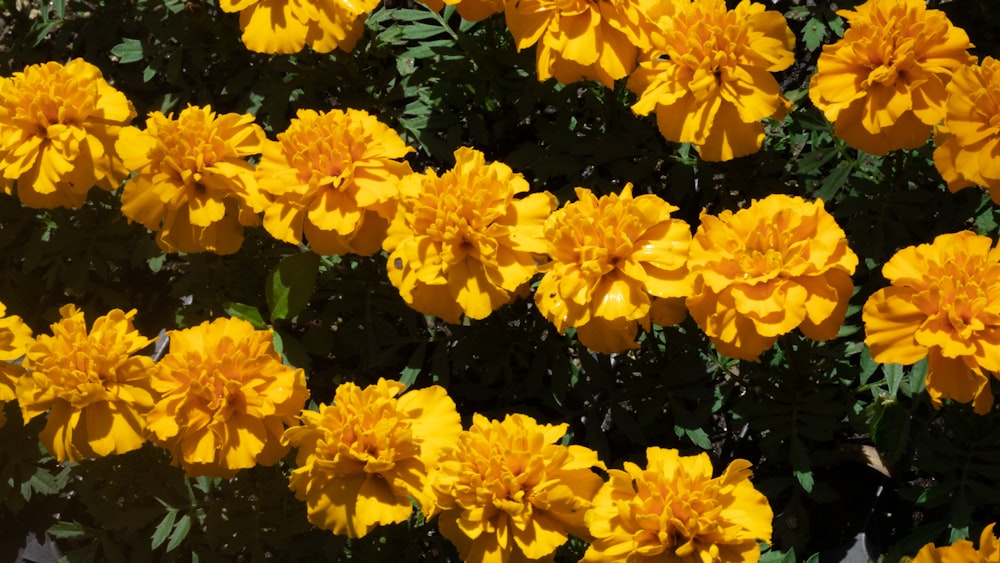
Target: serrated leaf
813 33
128 51
290 286
834 181
180 532
248 313
699 438
893 377
68 530
162 531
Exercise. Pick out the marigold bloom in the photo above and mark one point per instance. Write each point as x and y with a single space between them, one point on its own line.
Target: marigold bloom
286 26
225 398
883 83
332 176
779 264
708 76
192 183
673 510
460 242
97 390
15 337
578 39
509 492
943 304
58 124
363 457
961 551
609 256
470 10
968 142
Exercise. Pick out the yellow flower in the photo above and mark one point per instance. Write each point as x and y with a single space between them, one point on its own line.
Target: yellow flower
286 26
961 551
883 84
225 398
470 10
58 125
15 337
673 510
968 142
943 304
708 76
577 39
363 457
609 256
460 242
192 183
332 177
781 263
509 492
98 392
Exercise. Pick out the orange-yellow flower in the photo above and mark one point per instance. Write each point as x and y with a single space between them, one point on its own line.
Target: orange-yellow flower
609 257
883 83
286 26
470 10
97 390
15 337
225 398
968 142
58 125
509 492
460 242
332 177
673 510
962 551
577 39
943 304
192 182
779 264
361 459
708 75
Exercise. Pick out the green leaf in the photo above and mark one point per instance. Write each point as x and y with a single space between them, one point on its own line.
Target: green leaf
162 531
128 51
180 532
290 286
699 437
834 181
893 377
248 313
813 33
68 530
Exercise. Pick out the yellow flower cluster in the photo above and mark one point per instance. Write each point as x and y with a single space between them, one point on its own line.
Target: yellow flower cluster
219 400
225 398
332 176
15 337
961 551
461 242
97 391
58 125
968 141
610 256
708 77
943 304
758 273
509 490
286 26
192 183
674 510
362 458
883 84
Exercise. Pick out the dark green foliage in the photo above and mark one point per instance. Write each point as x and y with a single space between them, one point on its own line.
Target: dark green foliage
840 444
